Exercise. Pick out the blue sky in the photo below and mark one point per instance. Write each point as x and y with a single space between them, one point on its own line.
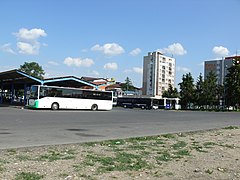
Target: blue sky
108 38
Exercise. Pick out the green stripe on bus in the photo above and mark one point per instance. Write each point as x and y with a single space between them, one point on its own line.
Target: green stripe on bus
36 104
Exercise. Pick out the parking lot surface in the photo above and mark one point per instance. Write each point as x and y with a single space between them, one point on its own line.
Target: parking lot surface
26 127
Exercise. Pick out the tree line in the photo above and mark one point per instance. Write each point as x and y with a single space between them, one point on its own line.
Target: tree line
207 93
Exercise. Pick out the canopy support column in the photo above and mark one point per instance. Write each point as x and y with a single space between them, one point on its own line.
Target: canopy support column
25 94
12 93
1 98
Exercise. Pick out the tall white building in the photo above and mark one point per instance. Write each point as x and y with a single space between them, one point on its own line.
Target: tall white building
158 73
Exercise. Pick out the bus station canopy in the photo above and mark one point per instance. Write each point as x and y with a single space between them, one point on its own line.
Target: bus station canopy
18 79
15 79
68 81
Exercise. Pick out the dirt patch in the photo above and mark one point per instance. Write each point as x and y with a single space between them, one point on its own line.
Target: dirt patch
213 154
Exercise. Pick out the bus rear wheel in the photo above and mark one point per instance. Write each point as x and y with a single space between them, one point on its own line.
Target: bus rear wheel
55 106
94 107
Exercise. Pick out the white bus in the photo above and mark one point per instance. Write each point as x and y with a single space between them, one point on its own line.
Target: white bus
54 97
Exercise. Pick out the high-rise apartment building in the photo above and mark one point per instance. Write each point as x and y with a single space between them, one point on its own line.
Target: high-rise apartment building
219 67
158 73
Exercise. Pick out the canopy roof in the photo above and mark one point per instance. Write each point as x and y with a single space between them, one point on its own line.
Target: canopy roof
19 78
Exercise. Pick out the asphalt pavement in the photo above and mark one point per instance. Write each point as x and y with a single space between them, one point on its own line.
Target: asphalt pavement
26 127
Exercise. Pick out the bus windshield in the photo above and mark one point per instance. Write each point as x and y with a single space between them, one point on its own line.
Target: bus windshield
34 92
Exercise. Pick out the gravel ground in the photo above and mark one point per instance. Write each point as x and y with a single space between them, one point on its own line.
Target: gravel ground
213 154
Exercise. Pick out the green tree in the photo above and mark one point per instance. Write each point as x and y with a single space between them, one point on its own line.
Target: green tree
33 69
199 91
171 92
211 90
128 86
232 85
187 91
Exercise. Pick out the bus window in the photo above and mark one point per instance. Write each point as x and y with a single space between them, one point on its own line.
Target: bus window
67 93
34 92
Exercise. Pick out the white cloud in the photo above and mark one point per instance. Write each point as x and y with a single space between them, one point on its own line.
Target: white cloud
174 49
27 48
109 49
94 73
87 62
32 35
111 66
53 63
28 40
7 48
183 69
220 51
138 70
135 52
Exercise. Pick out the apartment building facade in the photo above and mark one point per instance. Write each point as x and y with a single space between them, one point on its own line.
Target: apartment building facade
158 73
219 68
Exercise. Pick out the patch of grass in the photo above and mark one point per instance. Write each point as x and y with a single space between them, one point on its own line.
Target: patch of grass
11 151
197 147
3 161
55 155
159 141
104 160
23 157
122 161
113 142
136 147
145 153
116 149
78 167
86 176
228 146
179 145
231 127
1 168
145 138
169 174
182 153
91 144
63 175
168 156
165 156
28 176
209 144
169 136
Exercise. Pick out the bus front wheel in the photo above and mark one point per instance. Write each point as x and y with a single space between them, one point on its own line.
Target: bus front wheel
55 106
94 107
